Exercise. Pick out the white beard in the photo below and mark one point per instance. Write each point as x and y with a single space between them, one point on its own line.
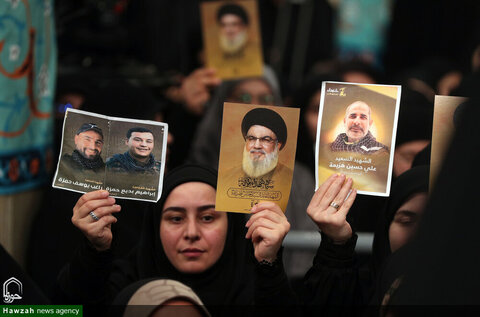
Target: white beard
256 168
233 46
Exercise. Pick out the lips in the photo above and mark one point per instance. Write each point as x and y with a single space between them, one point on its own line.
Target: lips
356 129
192 252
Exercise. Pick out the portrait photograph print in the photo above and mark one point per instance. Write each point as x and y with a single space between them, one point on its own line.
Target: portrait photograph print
231 33
124 156
257 156
356 131
446 113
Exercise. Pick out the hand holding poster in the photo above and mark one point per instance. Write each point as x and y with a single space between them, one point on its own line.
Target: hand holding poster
123 156
231 34
257 155
356 134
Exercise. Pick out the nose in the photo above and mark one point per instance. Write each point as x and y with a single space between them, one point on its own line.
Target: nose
257 144
91 144
191 231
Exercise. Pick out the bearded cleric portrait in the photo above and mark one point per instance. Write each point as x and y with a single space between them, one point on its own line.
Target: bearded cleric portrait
257 154
355 134
231 33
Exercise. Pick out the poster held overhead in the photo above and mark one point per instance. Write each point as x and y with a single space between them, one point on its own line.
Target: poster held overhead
257 156
356 131
123 156
231 33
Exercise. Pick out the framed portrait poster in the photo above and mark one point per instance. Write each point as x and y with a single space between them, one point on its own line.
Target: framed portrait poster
231 33
356 131
446 112
124 156
257 156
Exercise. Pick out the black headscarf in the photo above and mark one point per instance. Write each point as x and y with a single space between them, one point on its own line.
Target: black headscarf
443 263
414 180
230 280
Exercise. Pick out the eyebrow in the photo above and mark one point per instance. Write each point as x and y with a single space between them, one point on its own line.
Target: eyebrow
139 138
89 137
182 209
406 213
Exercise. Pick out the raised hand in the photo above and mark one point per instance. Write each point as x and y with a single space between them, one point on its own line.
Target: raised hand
267 227
330 205
195 89
92 214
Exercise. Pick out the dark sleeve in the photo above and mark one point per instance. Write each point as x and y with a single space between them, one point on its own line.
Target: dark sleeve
333 280
92 277
271 284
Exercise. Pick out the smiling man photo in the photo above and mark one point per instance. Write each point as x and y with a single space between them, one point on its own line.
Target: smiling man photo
139 158
357 136
88 147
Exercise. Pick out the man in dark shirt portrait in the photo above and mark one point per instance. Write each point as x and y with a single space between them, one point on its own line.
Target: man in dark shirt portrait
139 158
88 147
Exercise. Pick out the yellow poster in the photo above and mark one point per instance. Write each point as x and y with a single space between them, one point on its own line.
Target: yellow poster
257 156
231 34
444 115
356 134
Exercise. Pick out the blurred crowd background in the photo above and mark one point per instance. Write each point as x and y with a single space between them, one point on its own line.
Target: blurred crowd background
141 59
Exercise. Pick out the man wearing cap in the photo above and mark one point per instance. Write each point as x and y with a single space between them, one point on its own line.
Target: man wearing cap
265 135
357 137
88 147
233 22
139 157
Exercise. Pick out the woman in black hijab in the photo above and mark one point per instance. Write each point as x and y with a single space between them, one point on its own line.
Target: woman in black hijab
441 265
335 262
211 255
398 222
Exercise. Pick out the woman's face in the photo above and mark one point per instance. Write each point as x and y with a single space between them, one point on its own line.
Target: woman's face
193 234
252 91
405 221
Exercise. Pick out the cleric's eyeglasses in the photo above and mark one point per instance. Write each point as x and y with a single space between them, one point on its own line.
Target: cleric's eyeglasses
266 99
265 140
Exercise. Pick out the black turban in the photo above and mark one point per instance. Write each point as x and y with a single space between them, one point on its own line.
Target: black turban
267 118
233 9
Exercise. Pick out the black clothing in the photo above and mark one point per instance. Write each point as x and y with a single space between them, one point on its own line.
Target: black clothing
126 163
48 253
414 180
30 293
442 265
235 279
335 279
77 162
367 145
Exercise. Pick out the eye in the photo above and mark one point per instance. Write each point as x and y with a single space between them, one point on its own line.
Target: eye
406 220
175 219
207 218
